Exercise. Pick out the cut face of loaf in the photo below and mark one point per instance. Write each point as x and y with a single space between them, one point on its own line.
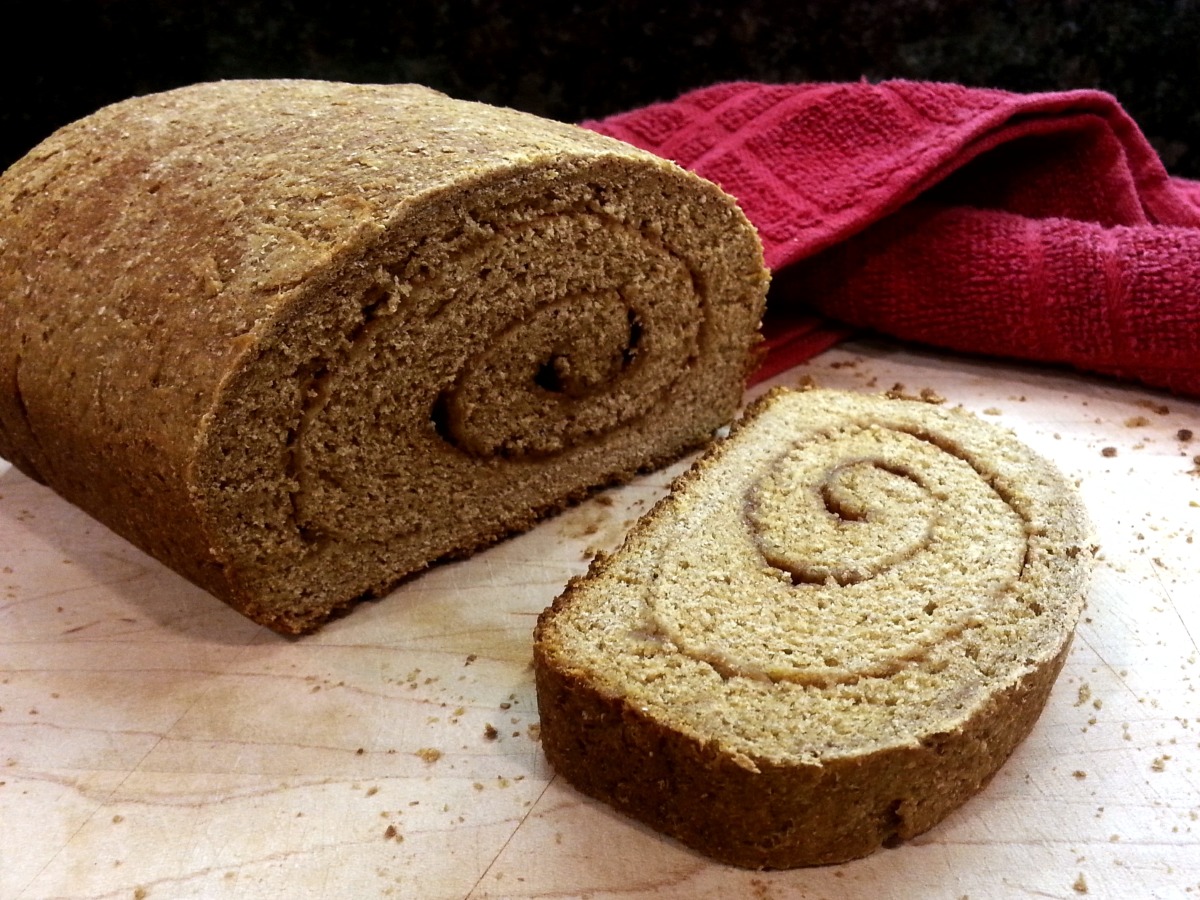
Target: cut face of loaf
833 632
300 339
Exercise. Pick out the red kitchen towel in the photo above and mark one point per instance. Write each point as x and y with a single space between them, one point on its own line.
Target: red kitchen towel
1039 227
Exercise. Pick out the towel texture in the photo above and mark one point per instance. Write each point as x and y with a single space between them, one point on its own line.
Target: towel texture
1039 227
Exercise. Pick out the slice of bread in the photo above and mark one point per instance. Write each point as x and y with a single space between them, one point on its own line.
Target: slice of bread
299 339
833 631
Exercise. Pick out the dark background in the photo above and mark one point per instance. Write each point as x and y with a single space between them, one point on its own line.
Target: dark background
576 60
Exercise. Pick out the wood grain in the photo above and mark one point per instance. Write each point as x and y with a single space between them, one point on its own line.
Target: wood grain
155 744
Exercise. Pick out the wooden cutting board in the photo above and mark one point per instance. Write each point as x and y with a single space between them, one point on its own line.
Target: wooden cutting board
154 744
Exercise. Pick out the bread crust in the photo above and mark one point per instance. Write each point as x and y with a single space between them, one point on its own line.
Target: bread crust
218 302
795 802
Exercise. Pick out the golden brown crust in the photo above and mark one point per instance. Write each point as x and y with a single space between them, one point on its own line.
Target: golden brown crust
820 753
243 320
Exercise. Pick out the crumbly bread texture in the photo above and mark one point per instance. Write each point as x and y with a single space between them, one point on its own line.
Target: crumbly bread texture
299 339
831 633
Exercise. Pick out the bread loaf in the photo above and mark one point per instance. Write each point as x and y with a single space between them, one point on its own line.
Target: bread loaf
300 339
831 633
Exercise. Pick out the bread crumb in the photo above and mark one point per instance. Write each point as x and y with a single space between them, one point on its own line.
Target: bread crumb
1159 764
1183 435
1085 694
992 411
1109 451
490 732
429 754
1158 408
1137 422
1080 885
1080 774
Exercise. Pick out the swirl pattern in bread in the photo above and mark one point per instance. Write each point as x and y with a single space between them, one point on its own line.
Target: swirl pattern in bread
300 339
831 633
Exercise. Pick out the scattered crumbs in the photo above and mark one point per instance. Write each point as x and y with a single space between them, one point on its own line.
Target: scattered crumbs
1080 885
1183 435
478 786
1079 773
372 791
490 732
1097 703
1137 422
1160 409
1109 451
604 500
929 395
1114 838
429 754
359 752
118 819
470 659
534 731
506 705
391 834
1159 763
992 411
1085 694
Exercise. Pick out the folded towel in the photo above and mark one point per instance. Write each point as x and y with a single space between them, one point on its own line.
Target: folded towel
1039 227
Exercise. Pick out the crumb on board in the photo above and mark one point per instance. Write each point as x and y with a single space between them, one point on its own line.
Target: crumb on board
1085 694
926 395
1079 773
1160 409
1159 763
1080 885
1108 451
1137 422
489 732
429 754
1183 435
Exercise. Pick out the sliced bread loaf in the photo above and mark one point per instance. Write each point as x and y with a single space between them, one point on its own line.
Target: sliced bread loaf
299 339
831 633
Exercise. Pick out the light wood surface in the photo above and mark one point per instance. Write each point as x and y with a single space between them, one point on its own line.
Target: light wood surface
154 744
